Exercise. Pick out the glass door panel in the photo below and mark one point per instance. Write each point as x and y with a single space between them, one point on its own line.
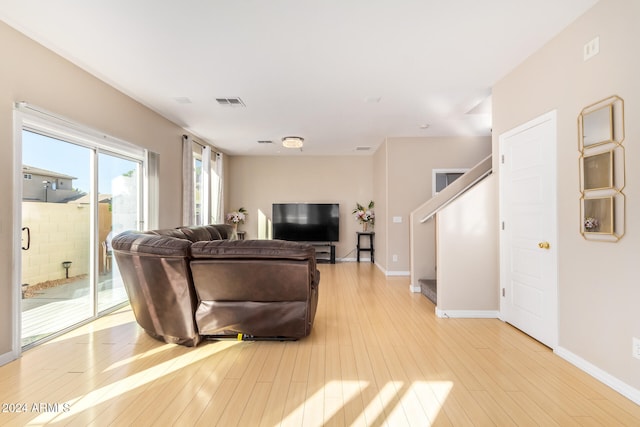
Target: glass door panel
119 209
56 244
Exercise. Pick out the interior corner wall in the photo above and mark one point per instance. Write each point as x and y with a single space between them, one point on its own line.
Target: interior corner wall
380 179
410 164
597 282
38 76
256 182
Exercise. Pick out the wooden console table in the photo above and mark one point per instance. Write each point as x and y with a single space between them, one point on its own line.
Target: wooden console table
370 248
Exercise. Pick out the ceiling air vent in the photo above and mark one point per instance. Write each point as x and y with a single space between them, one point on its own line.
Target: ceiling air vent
230 102
363 148
265 141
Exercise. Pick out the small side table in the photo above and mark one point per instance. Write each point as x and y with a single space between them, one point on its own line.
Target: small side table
359 248
240 234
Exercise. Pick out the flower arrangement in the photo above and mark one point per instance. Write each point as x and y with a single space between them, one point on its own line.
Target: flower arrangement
237 217
365 216
591 224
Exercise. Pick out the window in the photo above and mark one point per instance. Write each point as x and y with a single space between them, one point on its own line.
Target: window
443 177
202 169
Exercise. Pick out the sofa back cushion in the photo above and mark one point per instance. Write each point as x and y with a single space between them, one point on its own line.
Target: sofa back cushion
158 243
253 249
198 233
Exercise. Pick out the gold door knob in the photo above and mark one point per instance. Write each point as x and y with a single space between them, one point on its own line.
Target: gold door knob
543 245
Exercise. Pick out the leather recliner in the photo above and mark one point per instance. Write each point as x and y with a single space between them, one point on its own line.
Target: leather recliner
188 283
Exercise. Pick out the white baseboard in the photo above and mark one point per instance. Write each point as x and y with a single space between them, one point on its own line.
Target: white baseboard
415 288
397 273
362 259
7 357
621 387
467 314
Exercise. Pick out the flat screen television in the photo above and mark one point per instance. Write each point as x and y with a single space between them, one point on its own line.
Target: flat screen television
306 222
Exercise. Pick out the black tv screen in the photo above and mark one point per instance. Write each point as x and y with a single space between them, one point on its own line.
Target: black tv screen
306 222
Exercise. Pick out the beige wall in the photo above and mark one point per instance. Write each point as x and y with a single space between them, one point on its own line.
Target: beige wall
409 167
599 295
256 182
34 74
466 232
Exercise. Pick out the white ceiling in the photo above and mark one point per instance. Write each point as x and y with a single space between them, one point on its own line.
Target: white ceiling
309 68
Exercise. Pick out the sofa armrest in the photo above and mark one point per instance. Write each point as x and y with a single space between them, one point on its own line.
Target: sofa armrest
156 275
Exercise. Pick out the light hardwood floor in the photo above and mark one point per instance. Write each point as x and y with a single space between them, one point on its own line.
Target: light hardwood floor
377 356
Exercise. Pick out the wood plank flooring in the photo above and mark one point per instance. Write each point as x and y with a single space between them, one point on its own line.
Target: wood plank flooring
377 356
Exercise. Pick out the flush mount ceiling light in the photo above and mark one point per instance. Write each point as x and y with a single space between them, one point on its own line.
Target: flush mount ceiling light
292 142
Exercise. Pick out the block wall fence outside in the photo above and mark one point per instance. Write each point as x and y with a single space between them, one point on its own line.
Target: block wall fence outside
59 232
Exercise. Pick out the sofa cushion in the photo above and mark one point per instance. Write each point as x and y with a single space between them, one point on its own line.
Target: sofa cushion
169 232
198 233
253 249
149 244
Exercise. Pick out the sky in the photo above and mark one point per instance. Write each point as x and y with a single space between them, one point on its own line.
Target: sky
58 156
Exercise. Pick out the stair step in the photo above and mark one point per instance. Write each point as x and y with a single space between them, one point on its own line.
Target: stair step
429 289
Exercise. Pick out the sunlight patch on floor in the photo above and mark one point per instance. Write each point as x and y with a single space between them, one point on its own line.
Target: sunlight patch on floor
386 405
114 390
346 389
432 394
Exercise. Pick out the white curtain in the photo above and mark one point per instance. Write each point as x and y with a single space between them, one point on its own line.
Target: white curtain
205 186
188 203
152 191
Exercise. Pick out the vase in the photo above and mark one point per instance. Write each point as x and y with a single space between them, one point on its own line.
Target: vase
365 227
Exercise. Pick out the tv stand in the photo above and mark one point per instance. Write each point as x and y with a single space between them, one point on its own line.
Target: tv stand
325 252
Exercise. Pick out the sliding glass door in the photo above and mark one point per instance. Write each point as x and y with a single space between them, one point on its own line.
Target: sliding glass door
119 209
56 236
75 197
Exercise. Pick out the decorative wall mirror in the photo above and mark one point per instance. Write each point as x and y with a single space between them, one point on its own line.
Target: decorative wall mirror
602 170
602 123
597 126
598 170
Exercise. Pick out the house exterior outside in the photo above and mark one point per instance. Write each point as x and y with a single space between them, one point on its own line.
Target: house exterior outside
41 185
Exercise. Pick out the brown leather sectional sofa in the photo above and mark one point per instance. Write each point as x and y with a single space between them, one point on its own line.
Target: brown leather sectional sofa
189 283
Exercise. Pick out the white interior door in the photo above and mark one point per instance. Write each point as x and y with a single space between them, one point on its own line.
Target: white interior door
528 244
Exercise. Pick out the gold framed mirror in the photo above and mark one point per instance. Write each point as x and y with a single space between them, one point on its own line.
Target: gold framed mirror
602 123
602 170
598 170
597 126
